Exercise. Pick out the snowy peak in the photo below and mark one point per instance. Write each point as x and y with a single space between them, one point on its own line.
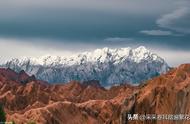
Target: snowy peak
109 66
99 55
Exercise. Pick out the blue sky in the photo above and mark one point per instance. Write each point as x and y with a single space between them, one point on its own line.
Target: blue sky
64 27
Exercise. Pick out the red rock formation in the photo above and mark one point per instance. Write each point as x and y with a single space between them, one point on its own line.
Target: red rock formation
89 103
26 100
166 94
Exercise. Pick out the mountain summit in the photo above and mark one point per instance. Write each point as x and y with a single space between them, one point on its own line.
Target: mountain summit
109 66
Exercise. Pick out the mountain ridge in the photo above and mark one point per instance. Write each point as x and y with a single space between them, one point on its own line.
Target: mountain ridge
109 66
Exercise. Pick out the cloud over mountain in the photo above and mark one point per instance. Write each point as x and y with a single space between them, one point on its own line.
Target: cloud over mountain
156 32
177 20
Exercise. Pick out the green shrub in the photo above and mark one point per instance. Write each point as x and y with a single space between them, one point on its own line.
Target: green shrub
2 114
31 122
13 122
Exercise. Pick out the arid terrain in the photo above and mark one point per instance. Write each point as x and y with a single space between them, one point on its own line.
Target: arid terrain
26 99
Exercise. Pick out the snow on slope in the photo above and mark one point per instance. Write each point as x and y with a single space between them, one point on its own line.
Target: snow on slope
109 66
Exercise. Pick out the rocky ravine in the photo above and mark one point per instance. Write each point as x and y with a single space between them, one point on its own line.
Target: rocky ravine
27 99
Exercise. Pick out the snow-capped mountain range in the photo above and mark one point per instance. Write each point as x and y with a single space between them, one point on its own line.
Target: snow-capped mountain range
109 66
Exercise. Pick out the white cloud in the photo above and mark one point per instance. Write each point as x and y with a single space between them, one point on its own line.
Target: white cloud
156 32
178 20
118 39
